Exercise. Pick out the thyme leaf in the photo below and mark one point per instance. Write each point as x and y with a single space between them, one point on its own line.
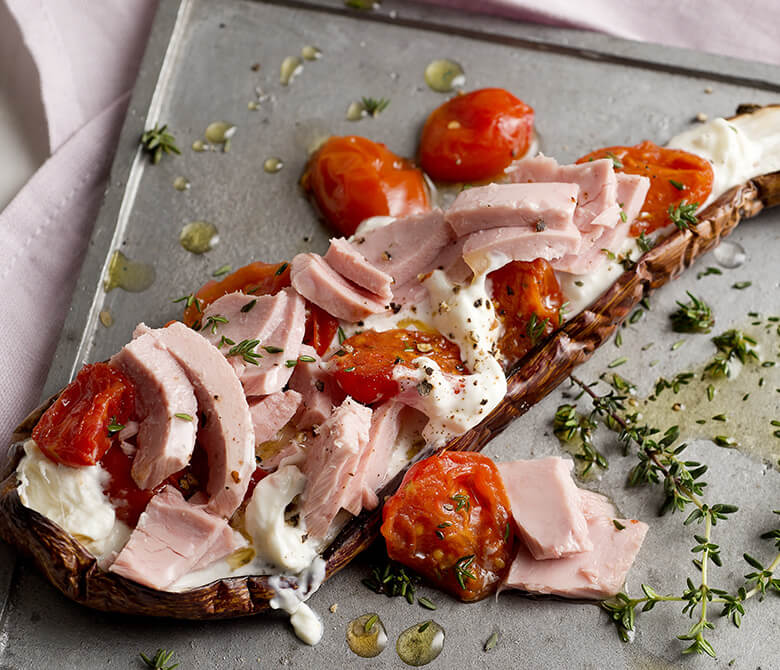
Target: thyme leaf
158 141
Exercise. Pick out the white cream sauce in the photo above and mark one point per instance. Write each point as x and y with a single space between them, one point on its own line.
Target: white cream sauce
73 498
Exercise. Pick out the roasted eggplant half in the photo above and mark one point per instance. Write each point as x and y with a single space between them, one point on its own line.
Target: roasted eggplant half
75 572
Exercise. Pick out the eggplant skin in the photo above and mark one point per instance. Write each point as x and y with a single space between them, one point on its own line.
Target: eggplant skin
74 571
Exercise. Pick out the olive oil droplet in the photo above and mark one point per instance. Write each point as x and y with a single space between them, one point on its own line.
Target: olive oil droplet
420 644
310 52
181 184
367 643
730 254
198 145
199 237
127 274
291 66
220 132
273 165
106 318
443 75
355 111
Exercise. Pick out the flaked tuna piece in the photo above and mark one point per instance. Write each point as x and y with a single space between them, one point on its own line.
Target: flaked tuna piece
226 431
596 574
372 467
272 413
596 180
546 507
331 463
291 453
345 259
225 543
406 247
631 193
318 389
601 240
171 538
532 206
272 371
318 282
165 441
594 504
517 244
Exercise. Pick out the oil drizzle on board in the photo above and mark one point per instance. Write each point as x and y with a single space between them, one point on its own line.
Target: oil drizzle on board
444 75
366 635
128 274
220 133
198 237
291 67
421 643
273 164
181 184
736 412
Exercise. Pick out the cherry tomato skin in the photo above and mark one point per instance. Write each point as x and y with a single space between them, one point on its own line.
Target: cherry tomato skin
260 278
128 500
522 291
450 521
675 176
74 430
257 278
475 136
365 370
352 178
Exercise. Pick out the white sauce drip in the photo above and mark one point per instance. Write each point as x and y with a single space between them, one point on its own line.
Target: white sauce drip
740 149
73 498
272 538
306 623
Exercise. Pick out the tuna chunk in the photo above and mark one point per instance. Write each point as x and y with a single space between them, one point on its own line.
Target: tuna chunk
345 259
318 282
274 321
406 247
596 574
284 344
529 206
596 181
594 504
165 441
272 413
546 507
318 389
631 193
224 544
171 538
372 467
331 464
518 244
226 431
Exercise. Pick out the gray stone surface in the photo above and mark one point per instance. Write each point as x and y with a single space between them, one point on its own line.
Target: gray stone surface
588 91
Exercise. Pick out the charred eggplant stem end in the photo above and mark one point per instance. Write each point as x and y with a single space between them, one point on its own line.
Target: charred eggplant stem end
76 573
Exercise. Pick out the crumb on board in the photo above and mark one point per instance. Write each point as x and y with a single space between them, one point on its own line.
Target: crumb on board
701 117
333 608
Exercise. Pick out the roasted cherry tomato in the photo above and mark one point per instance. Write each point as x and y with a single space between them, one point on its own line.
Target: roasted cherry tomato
75 430
528 299
352 178
675 176
475 136
450 521
260 278
129 500
365 369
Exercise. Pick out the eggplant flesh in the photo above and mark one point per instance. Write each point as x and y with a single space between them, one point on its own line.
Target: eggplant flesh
75 572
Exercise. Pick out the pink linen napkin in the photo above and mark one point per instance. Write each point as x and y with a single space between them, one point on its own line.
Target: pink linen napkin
87 55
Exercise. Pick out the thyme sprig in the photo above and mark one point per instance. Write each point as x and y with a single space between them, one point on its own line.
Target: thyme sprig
694 316
684 215
536 328
158 141
373 106
393 580
569 424
683 487
160 660
462 571
732 344
245 349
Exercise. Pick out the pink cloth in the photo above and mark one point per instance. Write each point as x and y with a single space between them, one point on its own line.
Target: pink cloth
87 55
